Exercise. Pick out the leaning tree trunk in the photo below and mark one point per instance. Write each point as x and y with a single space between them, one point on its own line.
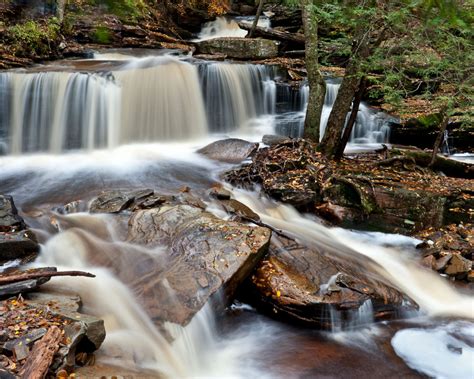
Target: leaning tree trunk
352 119
257 17
332 139
317 86
439 138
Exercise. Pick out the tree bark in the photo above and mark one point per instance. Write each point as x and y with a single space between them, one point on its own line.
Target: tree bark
60 5
317 86
439 138
361 50
352 119
41 356
257 17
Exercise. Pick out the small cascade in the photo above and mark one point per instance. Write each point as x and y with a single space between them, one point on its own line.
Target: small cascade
5 91
349 320
402 272
445 145
236 93
370 127
332 88
291 121
227 27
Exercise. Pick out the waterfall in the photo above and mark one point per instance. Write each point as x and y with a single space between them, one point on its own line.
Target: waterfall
161 100
236 93
332 88
5 92
370 127
227 27
56 110
143 100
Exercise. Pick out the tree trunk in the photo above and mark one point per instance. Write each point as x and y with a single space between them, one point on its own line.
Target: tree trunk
439 138
60 5
361 50
257 17
317 86
352 119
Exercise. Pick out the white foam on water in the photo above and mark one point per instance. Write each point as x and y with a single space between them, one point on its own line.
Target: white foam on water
443 352
9 264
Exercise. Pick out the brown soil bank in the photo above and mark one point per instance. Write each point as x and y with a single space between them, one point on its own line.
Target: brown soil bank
388 191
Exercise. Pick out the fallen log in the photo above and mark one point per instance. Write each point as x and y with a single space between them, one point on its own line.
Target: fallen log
41 356
449 167
274 34
398 158
7 279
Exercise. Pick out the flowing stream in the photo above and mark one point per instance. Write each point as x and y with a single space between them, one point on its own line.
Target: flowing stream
69 133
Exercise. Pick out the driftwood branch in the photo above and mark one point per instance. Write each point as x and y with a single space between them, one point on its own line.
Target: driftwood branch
6 279
260 223
41 356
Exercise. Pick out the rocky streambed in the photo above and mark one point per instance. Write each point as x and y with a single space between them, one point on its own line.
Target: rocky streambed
178 252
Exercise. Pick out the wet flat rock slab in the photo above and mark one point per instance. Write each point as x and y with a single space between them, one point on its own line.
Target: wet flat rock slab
311 287
184 256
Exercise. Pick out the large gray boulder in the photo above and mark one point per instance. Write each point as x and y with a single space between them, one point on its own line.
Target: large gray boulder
240 48
230 150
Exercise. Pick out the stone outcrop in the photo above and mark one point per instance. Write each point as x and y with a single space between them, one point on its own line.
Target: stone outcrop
313 288
240 48
449 250
231 150
16 241
422 133
364 192
10 221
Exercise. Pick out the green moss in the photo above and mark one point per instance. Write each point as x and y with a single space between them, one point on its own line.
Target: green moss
34 38
102 35
430 120
129 10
